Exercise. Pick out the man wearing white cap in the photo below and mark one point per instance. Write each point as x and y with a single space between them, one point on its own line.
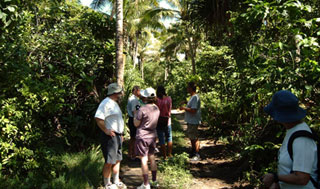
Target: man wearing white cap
110 121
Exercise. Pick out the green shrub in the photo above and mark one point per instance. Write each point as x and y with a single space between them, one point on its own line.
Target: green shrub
56 58
174 172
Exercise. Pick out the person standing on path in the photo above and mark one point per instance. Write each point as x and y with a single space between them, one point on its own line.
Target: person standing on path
164 129
146 120
109 119
193 119
132 106
298 170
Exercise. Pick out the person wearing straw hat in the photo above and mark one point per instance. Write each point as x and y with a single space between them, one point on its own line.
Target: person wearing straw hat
301 169
146 119
109 119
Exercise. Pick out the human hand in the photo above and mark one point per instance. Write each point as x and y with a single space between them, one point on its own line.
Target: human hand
182 103
182 108
268 180
110 132
275 186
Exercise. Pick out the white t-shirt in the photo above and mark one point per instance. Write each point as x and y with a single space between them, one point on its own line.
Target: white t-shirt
133 102
304 157
110 112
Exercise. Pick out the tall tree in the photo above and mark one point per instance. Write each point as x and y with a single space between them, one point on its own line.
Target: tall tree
120 64
119 43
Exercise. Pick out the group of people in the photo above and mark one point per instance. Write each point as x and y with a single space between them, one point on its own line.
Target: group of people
149 113
150 117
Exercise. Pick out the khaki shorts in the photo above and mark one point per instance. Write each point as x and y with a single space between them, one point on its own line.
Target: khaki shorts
192 131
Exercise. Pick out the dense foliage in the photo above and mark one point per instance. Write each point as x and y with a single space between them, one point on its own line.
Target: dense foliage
263 47
55 58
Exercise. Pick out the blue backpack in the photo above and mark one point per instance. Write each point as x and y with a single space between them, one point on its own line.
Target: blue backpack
313 136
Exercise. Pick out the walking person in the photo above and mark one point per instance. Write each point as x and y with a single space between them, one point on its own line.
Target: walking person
298 168
109 119
193 119
164 129
146 120
132 106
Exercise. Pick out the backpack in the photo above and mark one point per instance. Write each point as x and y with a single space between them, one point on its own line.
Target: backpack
312 135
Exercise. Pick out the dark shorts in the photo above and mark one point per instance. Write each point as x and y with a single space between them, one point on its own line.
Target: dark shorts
132 128
111 148
144 147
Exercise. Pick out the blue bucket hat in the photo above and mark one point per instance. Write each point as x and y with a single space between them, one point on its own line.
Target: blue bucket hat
284 107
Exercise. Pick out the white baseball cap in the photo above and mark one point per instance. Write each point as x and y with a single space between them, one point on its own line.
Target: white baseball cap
148 92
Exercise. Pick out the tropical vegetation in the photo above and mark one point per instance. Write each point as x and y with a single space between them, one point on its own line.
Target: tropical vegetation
57 57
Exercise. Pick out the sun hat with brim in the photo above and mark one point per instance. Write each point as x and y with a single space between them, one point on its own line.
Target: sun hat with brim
148 93
114 88
285 108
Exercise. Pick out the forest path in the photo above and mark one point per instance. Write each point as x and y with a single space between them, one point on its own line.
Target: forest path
215 170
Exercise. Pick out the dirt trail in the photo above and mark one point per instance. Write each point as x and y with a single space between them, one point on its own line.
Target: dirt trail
214 171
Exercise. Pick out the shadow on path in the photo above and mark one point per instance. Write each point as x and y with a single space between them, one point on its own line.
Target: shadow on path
216 169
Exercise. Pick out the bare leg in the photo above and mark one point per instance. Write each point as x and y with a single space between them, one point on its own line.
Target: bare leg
153 163
106 172
193 146
163 151
170 149
131 147
116 171
197 145
145 169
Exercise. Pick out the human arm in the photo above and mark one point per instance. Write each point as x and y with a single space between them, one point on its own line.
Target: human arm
170 105
191 110
136 122
137 118
304 156
296 178
100 123
192 106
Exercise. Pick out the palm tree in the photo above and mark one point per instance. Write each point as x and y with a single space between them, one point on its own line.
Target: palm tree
119 43
184 36
140 15
96 4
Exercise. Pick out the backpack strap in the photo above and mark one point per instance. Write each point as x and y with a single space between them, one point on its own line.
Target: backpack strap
295 135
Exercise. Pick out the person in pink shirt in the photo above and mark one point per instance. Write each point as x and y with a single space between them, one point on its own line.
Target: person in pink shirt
164 130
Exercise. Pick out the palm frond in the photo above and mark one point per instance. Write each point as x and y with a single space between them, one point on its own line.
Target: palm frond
98 4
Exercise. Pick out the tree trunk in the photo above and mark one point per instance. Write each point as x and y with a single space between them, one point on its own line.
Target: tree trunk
141 66
135 51
166 73
119 43
192 53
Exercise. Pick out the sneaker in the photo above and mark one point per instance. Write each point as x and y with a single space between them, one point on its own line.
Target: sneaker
121 185
144 186
195 158
154 184
111 186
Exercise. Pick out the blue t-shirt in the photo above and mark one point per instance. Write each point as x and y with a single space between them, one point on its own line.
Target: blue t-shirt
194 103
